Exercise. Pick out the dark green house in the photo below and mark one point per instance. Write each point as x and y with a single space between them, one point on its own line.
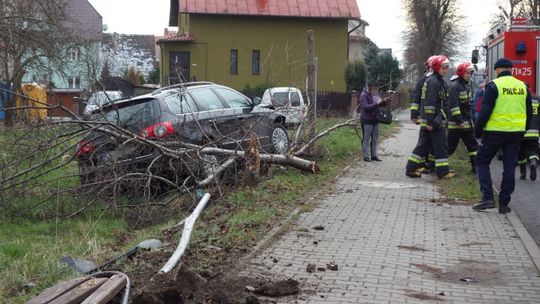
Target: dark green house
252 42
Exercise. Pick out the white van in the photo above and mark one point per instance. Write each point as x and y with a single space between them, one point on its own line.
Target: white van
287 100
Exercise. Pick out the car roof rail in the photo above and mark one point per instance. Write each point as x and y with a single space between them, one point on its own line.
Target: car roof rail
181 85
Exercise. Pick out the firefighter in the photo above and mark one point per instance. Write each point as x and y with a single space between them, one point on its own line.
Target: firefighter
459 107
504 116
432 123
429 162
528 147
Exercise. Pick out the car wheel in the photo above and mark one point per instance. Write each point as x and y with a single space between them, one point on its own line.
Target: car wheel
279 139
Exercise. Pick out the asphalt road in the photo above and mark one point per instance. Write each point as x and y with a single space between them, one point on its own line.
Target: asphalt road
525 199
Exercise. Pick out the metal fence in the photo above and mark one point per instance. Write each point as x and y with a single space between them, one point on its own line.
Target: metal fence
333 103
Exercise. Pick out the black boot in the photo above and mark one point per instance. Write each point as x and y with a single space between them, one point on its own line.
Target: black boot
523 171
488 204
534 164
473 165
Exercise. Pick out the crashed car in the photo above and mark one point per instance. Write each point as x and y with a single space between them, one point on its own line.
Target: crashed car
200 113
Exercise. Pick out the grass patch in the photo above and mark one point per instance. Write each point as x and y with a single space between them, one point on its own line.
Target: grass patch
30 251
465 185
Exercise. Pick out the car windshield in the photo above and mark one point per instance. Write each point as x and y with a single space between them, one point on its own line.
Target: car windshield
131 115
101 98
280 99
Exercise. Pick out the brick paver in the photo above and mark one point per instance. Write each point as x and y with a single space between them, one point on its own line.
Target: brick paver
375 222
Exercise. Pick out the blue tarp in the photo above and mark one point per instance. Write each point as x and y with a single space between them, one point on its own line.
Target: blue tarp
3 96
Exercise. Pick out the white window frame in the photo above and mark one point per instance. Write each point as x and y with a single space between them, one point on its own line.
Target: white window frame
73 54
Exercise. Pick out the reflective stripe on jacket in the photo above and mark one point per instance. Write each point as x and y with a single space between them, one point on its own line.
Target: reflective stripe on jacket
459 105
534 124
510 111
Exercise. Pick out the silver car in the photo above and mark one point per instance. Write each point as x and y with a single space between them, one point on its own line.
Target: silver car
99 99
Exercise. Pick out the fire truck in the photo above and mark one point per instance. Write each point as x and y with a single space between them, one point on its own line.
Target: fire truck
520 43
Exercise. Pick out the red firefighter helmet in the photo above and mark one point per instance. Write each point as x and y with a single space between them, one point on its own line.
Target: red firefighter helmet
463 68
430 60
438 62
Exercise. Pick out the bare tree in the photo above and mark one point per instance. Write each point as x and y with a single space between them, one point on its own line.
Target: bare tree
29 36
436 27
509 9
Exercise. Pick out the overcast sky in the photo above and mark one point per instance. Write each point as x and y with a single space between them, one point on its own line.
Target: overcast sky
385 17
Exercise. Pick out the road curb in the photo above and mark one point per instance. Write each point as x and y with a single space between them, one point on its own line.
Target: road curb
526 239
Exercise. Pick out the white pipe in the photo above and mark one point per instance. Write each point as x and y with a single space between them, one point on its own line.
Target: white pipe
186 235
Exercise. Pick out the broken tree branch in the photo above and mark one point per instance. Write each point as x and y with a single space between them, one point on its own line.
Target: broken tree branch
186 235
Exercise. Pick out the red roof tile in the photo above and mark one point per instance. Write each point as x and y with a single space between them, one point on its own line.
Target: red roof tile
294 8
175 38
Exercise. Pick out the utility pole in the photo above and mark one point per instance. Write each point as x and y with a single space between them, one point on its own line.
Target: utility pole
311 84
311 67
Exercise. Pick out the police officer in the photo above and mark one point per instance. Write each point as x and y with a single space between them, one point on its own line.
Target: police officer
528 148
459 104
432 123
502 121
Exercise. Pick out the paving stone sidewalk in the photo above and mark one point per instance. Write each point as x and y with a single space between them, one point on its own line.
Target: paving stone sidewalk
396 240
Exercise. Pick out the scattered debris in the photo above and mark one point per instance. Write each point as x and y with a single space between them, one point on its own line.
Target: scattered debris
82 266
311 267
474 243
28 286
318 228
321 269
278 289
275 260
315 243
468 271
144 245
332 266
422 296
441 293
437 272
348 191
468 280
412 248
250 288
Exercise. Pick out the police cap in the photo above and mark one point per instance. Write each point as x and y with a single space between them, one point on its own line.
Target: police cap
503 63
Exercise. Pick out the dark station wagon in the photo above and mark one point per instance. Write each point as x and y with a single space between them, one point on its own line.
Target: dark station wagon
201 113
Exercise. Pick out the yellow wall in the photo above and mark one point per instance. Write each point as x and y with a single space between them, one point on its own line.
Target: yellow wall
282 43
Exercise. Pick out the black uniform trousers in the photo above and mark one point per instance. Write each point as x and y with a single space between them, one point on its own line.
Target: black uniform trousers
491 143
528 150
467 136
436 140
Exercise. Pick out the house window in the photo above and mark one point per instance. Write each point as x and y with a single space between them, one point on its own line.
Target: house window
74 82
234 61
73 54
256 62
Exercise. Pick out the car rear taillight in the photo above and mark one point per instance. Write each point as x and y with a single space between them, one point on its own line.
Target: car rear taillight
158 130
84 148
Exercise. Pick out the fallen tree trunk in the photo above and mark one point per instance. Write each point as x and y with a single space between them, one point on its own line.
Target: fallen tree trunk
285 160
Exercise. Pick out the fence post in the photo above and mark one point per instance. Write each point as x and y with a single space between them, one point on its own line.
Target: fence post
354 103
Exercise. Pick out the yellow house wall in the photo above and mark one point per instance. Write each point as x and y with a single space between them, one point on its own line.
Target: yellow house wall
282 43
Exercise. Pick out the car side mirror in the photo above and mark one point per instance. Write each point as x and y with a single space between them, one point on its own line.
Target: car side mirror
257 100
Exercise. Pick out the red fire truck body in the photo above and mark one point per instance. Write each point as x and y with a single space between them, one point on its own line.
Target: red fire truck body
521 44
